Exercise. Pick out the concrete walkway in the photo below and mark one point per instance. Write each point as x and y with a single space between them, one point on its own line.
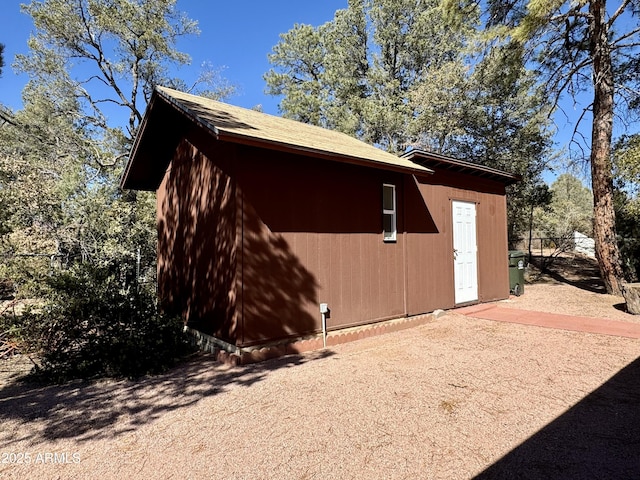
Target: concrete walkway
600 326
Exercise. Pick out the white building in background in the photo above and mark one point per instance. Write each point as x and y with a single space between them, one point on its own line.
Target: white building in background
584 245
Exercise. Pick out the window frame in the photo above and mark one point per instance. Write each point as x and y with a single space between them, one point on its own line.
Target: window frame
390 236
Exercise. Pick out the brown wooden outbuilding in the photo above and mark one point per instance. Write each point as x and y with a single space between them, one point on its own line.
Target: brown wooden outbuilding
262 219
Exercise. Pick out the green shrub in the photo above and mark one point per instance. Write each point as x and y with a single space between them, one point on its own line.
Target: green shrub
92 324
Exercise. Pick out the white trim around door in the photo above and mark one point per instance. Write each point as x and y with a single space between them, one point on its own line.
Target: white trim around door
465 252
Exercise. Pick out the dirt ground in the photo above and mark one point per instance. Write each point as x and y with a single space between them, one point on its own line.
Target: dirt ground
570 285
455 398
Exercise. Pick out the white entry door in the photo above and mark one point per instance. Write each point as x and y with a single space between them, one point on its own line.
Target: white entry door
465 252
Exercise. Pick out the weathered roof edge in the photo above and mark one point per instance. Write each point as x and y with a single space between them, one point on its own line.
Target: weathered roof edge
433 160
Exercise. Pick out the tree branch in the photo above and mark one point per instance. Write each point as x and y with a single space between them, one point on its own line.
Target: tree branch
625 36
617 13
7 117
113 162
561 84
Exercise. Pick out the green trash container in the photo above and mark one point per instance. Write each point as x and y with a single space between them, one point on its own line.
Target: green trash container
516 272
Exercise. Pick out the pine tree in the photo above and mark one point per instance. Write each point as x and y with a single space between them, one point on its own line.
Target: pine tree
399 74
580 47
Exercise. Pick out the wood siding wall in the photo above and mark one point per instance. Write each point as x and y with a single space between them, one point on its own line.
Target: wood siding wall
197 242
320 224
251 241
430 272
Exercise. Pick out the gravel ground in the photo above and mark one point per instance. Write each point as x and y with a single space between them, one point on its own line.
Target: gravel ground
455 398
569 300
570 285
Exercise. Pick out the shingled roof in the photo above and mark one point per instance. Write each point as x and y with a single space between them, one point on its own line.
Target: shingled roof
160 131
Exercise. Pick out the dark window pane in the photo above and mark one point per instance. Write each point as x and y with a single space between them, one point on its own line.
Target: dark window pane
387 225
387 198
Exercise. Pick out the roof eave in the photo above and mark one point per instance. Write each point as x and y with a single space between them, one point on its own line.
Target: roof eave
147 159
475 169
187 112
136 144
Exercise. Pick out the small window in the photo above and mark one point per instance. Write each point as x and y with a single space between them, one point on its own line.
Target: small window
388 212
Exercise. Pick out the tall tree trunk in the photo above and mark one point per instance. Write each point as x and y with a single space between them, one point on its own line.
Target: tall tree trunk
607 251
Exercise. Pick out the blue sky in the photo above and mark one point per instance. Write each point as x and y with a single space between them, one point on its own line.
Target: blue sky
236 35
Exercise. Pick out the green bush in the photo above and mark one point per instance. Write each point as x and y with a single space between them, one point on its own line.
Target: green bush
92 325
630 254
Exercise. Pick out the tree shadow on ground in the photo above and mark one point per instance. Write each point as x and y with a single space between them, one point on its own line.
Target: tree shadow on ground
576 270
599 437
91 410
